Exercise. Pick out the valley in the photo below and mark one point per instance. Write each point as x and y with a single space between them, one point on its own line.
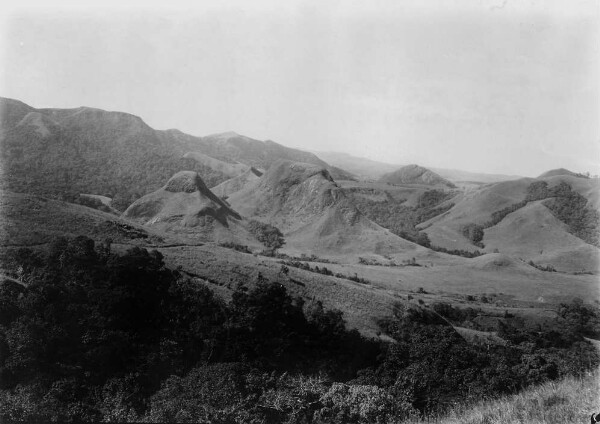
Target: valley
486 259
393 232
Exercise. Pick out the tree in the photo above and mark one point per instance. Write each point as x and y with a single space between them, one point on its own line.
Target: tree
267 234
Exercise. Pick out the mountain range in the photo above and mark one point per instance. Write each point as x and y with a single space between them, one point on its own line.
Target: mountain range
187 196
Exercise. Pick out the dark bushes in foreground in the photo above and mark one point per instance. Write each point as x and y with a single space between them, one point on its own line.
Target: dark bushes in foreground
88 335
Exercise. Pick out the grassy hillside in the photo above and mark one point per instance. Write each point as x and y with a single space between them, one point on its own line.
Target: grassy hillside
505 218
533 233
229 169
27 220
226 188
313 212
65 152
415 174
567 401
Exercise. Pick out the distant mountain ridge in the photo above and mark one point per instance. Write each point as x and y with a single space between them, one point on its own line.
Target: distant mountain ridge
373 170
561 171
64 152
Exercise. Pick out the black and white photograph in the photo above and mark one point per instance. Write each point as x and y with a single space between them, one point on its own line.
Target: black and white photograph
300 212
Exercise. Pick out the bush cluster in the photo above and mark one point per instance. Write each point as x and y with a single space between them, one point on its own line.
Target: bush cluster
401 219
324 271
267 234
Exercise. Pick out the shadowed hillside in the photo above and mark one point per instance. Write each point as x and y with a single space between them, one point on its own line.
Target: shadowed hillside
186 206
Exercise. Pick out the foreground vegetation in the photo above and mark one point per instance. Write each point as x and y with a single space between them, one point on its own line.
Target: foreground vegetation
570 400
87 334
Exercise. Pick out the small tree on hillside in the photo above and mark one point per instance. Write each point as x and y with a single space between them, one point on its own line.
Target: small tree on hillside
267 234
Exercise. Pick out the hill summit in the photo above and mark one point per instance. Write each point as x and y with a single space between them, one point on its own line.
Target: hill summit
415 174
186 206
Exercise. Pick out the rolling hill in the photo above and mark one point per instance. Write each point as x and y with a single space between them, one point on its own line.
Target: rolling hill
313 212
185 206
559 172
29 220
533 233
530 232
415 174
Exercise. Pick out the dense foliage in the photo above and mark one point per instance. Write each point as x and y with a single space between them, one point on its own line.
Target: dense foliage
267 234
402 220
474 232
572 209
86 334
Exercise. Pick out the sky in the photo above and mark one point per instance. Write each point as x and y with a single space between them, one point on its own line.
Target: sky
498 86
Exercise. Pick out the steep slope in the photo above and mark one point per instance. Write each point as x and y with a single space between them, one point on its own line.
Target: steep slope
530 232
313 212
415 174
533 233
261 154
185 206
226 188
473 206
64 152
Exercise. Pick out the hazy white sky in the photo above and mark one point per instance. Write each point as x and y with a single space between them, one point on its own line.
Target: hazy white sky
493 86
